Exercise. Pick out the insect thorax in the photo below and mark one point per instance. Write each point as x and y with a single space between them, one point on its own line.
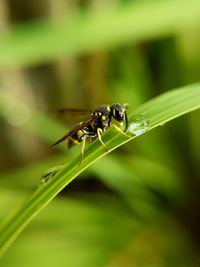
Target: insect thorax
103 117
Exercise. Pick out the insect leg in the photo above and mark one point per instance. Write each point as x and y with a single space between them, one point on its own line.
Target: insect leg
99 132
119 130
82 149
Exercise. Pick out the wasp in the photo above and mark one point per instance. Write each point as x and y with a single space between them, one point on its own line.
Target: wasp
99 120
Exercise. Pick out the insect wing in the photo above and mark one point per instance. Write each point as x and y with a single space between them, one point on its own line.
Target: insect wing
86 123
72 112
75 129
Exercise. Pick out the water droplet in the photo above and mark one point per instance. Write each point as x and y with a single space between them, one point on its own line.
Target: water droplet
138 125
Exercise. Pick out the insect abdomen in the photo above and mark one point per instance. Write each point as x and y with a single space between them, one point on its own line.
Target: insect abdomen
76 138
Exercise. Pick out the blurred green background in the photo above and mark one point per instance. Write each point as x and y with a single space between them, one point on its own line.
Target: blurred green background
139 206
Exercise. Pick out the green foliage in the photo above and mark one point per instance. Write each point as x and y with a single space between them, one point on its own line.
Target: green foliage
157 111
137 206
87 31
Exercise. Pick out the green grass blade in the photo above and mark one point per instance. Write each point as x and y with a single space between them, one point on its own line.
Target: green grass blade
89 31
157 111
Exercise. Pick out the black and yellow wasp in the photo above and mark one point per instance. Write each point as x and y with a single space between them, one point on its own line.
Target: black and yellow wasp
100 119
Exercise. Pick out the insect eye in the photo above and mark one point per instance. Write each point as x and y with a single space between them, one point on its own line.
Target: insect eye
118 114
